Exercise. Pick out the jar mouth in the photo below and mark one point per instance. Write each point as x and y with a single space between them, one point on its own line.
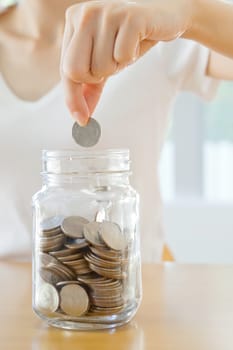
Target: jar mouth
71 161
86 153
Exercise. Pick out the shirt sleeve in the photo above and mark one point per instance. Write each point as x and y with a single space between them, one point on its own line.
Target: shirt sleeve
185 63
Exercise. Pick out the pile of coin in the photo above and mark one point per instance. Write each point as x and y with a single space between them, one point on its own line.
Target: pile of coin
83 266
52 238
106 295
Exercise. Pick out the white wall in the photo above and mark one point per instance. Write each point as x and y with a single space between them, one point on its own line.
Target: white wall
199 232
197 184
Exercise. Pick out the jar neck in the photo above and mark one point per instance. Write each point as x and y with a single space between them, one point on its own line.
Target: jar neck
89 168
88 180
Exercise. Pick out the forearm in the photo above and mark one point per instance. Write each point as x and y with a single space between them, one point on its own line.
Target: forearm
212 25
219 67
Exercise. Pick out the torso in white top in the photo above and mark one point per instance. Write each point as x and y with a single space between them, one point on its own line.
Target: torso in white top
133 113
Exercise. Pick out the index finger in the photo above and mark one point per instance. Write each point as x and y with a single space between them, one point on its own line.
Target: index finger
76 101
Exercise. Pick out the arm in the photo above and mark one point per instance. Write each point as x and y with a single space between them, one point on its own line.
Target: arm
219 66
212 25
113 34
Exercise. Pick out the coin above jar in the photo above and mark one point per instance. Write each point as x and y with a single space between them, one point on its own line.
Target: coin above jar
83 265
87 136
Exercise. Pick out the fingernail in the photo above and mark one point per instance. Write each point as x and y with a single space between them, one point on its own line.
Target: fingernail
82 121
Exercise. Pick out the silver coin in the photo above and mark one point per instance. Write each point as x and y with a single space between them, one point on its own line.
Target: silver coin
106 253
112 235
105 310
50 275
52 223
72 226
87 136
78 244
46 259
50 233
74 300
63 252
91 233
47 298
63 271
65 283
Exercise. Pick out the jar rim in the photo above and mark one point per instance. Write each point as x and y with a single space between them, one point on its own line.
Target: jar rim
85 154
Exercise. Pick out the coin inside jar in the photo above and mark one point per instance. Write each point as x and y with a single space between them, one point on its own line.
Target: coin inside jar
74 300
112 235
91 233
87 136
52 223
47 298
72 226
46 259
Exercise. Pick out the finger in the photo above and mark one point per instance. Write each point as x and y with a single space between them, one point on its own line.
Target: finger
145 46
77 58
103 63
126 43
92 94
75 101
68 33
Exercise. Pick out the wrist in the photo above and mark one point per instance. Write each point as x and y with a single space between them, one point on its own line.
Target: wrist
198 12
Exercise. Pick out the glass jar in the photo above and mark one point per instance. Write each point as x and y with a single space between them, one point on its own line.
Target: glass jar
86 251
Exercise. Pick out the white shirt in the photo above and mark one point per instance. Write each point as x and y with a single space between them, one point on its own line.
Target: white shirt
133 113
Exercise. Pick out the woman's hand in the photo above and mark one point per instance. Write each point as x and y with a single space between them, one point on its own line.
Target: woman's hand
103 37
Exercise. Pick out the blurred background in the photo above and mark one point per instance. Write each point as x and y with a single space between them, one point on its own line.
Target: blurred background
7 2
196 178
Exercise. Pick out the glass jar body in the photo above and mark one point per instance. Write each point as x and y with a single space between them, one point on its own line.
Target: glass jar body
79 281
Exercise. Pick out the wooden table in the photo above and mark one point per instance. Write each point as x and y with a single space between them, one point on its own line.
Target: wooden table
185 307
